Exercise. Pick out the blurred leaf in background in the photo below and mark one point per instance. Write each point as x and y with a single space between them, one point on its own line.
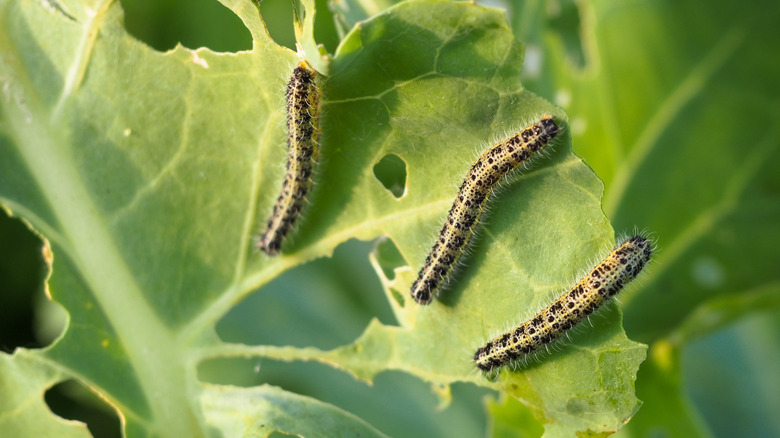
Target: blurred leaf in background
674 108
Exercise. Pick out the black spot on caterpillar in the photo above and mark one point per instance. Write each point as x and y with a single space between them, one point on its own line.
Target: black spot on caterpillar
602 283
491 167
303 110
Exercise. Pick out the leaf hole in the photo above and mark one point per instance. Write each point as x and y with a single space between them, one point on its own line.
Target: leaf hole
391 172
399 298
388 257
163 24
28 318
325 303
278 19
73 401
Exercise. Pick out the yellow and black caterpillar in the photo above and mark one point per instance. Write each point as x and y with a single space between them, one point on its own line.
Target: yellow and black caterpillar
483 176
303 100
602 283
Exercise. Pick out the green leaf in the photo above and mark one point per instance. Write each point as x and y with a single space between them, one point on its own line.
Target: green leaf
686 150
144 188
538 245
23 379
148 174
678 119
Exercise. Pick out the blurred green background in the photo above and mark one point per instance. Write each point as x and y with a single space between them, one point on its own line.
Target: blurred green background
726 393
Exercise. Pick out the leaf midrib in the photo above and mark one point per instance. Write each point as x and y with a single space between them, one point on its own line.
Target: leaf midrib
151 348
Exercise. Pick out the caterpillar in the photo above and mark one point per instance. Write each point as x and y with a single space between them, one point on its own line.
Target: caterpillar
482 177
603 282
303 110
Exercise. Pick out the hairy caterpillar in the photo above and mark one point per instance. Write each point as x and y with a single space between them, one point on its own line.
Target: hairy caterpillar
302 152
621 266
464 215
